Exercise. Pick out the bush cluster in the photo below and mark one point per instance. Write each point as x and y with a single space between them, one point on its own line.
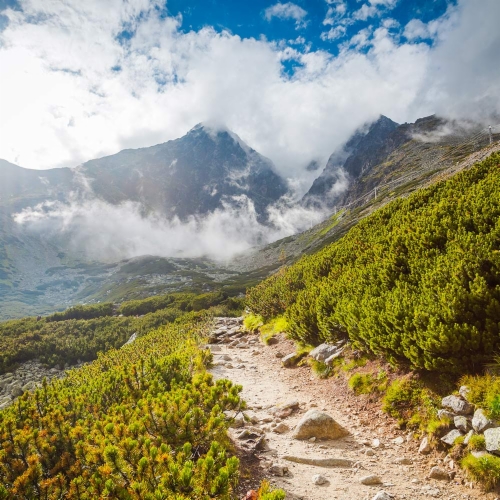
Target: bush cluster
418 281
142 422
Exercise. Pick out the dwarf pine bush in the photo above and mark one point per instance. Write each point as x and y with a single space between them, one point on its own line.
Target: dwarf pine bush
418 281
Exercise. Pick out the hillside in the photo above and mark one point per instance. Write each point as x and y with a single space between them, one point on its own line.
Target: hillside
417 281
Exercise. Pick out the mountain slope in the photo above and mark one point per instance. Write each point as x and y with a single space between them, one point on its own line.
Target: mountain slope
365 149
195 174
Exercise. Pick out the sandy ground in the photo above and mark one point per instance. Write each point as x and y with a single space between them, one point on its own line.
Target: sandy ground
267 384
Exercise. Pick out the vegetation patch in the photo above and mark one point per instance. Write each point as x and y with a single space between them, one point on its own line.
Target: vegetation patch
484 470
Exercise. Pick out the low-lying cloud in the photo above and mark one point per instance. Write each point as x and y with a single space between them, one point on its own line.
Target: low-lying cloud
94 229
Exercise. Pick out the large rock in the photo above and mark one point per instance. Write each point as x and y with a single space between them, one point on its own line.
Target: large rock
480 422
319 425
457 405
492 440
323 351
450 438
461 423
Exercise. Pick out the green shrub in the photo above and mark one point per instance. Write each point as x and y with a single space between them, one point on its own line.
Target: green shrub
417 281
484 392
484 470
83 312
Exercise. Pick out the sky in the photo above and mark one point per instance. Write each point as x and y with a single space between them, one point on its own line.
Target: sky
80 80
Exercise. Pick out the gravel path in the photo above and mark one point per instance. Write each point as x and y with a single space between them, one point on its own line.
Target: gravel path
375 445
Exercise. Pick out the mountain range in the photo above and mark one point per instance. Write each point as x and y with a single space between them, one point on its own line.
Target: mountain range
208 169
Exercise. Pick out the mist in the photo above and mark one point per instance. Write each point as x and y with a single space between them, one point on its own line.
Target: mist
97 230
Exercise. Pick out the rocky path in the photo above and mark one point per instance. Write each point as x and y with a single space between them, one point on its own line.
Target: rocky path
373 460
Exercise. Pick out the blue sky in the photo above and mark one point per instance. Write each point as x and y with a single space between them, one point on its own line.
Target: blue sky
82 79
248 18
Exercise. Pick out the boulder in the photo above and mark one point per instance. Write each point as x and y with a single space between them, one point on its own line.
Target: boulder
480 422
319 425
461 423
319 479
492 440
335 355
323 352
450 438
29 386
457 405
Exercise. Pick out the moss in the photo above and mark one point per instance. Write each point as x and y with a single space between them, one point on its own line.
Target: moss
477 443
367 383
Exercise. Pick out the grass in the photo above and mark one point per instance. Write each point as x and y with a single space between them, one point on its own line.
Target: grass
412 404
485 390
272 328
368 383
253 322
484 470
477 443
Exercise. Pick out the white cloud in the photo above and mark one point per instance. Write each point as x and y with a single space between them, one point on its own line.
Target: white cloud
416 29
61 103
364 12
287 10
389 4
334 33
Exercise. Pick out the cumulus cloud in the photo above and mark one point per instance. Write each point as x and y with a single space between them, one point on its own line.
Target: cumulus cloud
287 10
85 79
98 230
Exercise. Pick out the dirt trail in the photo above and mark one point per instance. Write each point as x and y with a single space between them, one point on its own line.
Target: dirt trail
242 358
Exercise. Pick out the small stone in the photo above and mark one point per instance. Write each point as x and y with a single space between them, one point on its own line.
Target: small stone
281 428
16 390
468 436
450 438
289 360
461 423
424 447
480 422
464 391
369 452
382 495
399 440
319 479
278 470
312 440
279 355
376 443
238 422
457 405
370 480
445 414
439 473
403 461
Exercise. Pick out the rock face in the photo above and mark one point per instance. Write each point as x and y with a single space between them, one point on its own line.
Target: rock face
318 425
492 439
457 405
364 150
191 175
